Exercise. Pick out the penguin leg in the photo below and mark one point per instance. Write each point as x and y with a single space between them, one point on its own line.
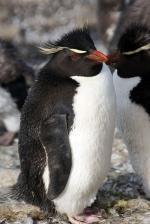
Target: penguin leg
7 138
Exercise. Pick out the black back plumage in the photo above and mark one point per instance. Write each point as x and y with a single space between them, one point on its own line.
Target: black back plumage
38 122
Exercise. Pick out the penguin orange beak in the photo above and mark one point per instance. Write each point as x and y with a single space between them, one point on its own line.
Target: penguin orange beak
97 56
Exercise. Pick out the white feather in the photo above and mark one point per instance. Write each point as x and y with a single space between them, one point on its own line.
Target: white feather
52 49
77 51
134 124
91 140
46 173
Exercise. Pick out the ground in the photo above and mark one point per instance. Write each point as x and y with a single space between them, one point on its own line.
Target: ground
120 201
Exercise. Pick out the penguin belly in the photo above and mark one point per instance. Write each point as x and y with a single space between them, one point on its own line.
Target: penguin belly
91 138
134 124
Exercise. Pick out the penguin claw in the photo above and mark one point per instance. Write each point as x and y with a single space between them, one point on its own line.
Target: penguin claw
7 138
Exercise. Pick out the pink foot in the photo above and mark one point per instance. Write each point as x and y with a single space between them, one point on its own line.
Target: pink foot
88 217
7 138
84 219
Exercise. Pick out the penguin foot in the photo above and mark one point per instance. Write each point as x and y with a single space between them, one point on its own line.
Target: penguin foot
89 216
87 219
7 138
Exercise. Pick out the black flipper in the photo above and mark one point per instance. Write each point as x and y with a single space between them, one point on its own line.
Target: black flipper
54 138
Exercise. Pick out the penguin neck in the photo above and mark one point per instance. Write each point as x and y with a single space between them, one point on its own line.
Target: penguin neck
134 66
82 78
52 71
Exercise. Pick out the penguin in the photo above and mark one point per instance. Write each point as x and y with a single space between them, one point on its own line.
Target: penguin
132 85
67 127
13 89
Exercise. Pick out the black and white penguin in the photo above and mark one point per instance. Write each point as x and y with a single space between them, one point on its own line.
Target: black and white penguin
13 89
132 85
67 127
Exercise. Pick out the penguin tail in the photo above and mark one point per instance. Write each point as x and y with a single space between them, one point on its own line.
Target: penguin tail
13 208
20 199
8 194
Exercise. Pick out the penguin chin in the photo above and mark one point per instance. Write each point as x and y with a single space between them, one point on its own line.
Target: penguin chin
93 71
96 69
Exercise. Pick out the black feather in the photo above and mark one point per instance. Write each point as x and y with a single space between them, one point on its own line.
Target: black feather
135 36
79 39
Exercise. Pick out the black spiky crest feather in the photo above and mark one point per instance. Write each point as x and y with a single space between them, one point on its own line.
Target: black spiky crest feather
76 40
135 37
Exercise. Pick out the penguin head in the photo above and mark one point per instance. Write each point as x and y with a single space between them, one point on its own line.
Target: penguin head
133 55
75 54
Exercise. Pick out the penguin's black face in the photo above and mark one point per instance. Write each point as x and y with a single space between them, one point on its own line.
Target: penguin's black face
74 64
133 58
75 55
135 65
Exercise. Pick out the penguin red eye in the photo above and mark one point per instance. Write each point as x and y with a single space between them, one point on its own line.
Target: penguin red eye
75 56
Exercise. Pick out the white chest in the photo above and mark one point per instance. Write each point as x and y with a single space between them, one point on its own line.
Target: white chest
133 121
91 140
123 88
93 104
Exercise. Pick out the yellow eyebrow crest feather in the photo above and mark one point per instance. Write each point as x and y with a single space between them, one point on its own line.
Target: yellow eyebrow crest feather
145 47
52 49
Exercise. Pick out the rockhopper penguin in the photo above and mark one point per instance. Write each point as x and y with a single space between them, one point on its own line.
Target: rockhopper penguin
67 127
132 85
